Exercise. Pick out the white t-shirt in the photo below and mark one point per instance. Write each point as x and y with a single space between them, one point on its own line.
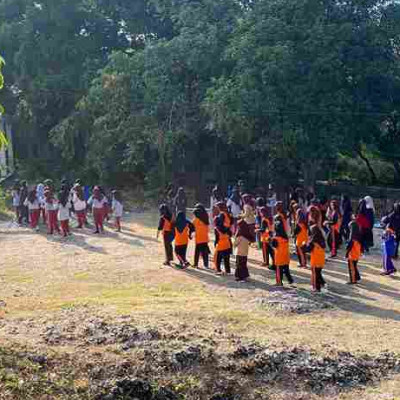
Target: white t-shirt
235 208
63 212
79 205
51 206
32 206
15 198
99 203
118 208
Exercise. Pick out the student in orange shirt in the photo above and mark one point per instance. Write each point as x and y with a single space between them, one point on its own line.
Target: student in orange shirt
166 227
183 233
353 252
280 243
201 224
223 244
334 222
301 235
266 233
316 246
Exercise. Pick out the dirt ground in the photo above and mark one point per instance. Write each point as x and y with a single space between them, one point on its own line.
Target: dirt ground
89 302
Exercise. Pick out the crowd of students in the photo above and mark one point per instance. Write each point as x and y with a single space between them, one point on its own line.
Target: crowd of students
242 221
57 207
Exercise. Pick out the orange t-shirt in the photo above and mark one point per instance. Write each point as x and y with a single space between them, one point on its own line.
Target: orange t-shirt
355 252
317 256
167 227
224 241
265 236
182 238
282 254
302 236
201 230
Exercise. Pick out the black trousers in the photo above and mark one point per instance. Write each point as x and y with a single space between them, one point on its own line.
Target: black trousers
353 271
242 272
396 253
180 252
225 256
169 253
203 250
317 280
282 271
268 252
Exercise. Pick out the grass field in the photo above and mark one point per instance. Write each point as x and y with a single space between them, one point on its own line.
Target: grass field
57 292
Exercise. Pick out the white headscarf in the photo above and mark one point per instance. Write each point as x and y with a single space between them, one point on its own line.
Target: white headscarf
369 203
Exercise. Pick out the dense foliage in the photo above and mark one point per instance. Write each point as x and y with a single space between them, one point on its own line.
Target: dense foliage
156 90
3 139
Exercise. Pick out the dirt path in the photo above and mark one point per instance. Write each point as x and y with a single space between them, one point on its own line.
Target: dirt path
51 285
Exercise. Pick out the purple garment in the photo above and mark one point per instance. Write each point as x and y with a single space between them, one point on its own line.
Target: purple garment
387 253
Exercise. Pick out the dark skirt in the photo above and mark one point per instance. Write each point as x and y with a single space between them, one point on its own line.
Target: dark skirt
242 272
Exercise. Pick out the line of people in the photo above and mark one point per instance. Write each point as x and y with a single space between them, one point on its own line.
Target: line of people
56 209
242 221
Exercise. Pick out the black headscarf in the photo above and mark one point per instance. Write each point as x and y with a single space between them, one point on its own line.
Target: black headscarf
63 197
165 212
181 221
201 213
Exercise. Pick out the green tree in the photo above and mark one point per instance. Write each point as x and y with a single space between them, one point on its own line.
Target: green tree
3 139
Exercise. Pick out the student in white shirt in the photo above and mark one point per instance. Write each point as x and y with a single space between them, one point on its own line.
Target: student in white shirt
234 205
79 205
64 207
16 200
98 204
32 202
51 207
117 209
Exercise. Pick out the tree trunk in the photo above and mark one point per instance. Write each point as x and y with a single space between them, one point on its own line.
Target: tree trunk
396 165
310 169
374 179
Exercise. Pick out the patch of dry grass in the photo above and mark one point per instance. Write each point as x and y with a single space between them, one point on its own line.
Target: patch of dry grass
121 274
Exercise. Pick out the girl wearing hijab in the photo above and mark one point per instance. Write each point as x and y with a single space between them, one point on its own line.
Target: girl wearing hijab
249 212
41 199
243 238
63 212
223 245
15 200
78 200
281 247
201 225
301 235
32 202
117 209
234 205
393 219
347 212
51 205
353 252
364 225
166 227
388 251
260 204
216 197
183 233
333 223
98 202
24 212
180 201
266 232
370 214
316 247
